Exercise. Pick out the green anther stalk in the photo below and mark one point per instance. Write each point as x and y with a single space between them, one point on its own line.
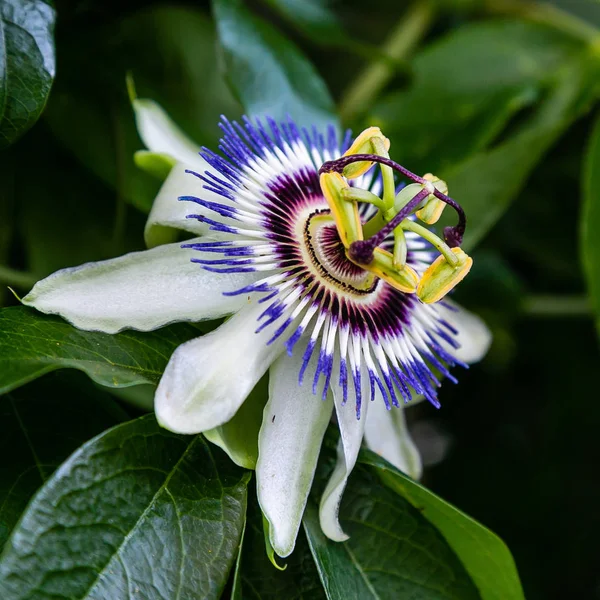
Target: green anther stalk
354 194
433 239
400 248
404 196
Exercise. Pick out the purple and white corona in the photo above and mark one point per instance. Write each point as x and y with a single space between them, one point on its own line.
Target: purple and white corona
275 209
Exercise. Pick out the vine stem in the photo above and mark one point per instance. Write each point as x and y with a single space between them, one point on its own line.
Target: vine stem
557 306
403 39
546 14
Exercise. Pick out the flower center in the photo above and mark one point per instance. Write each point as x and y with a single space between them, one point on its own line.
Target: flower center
327 255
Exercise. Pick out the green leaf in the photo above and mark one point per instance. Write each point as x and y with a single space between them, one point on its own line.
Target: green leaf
172 54
466 87
27 64
75 116
483 554
586 11
137 512
315 19
32 344
258 579
466 125
590 221
267 72
393 550
7 219
486 184
40 425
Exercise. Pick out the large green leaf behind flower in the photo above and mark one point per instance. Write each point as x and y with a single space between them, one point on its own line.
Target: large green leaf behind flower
483 554
267 72
27 64
137 512
32 344
404 540
40 425
489 181
393 550
315 19
465 88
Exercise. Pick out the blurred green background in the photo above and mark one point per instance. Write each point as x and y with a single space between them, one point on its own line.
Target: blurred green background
498 98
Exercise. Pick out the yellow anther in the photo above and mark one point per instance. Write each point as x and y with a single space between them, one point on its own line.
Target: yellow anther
363 144
345 213
404 279
432 210
440 277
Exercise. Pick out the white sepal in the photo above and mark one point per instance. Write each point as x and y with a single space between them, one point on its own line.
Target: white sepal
473 336
141 290
351 435
169 214
294 423
160 134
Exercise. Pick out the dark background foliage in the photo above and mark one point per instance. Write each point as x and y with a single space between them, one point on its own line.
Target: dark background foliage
505 110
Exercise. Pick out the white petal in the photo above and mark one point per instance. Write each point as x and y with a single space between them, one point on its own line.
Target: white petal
294 423
473 336
142 290
387 435
160 134
208 378
351 434
169 214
